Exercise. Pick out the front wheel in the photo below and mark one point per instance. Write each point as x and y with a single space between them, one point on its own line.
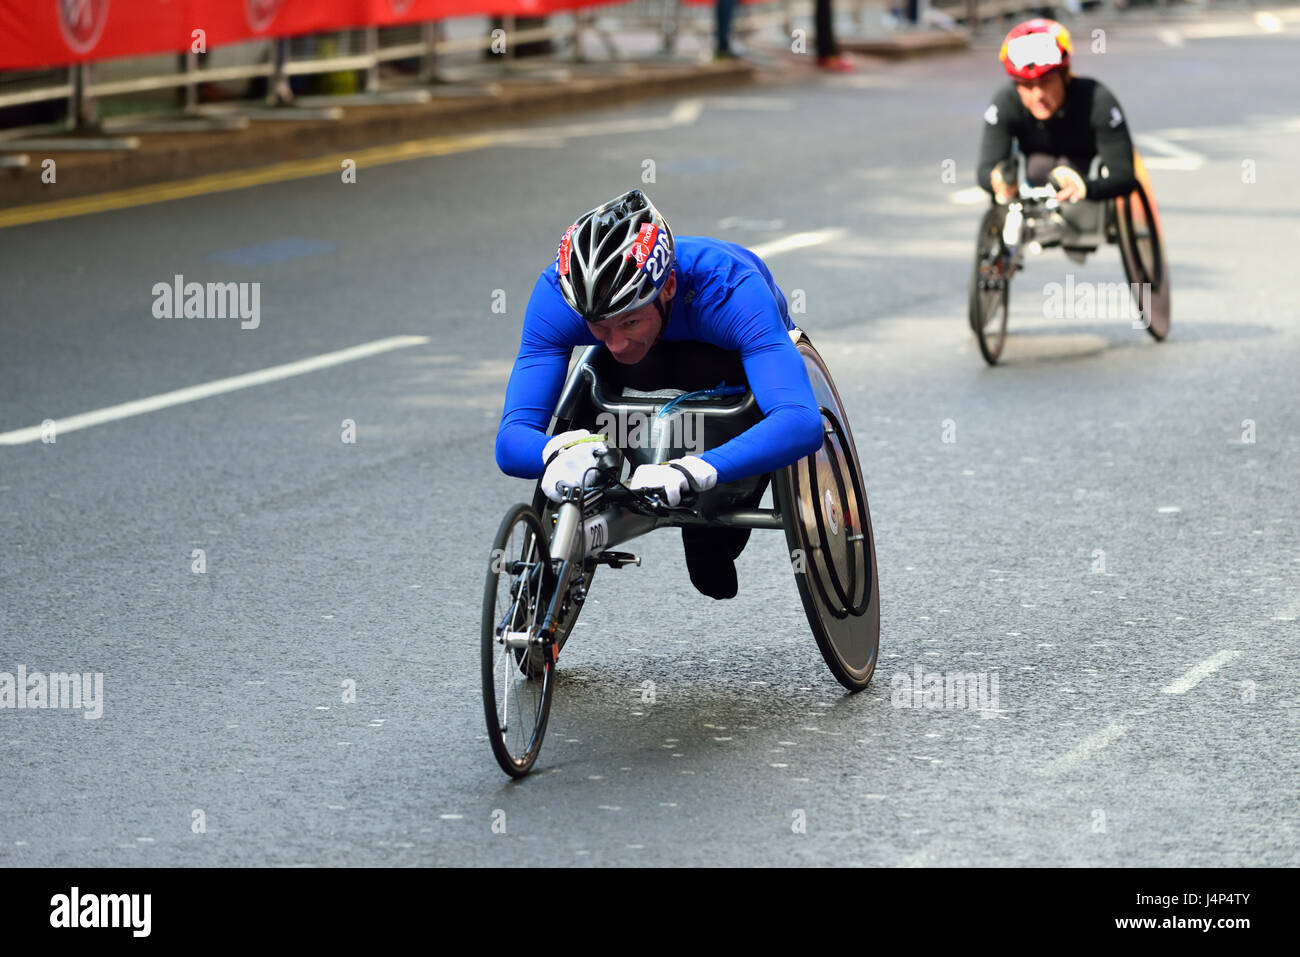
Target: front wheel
518 667
990 287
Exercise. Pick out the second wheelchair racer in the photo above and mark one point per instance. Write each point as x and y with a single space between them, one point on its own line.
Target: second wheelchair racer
1060 122
664 307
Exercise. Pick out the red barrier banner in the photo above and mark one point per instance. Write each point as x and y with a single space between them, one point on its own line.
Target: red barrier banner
45 33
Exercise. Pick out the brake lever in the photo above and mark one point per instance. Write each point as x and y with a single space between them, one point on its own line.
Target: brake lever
654 501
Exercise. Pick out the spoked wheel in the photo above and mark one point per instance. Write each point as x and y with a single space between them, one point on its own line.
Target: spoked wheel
1143 252
828 530
990 287
518 670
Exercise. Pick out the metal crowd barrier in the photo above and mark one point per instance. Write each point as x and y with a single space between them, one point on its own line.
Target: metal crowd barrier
424 48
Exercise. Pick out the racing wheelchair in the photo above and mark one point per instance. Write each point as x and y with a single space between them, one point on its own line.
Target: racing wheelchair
545 555
1035 221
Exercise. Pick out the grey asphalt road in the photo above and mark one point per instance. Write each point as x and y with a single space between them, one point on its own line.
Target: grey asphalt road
1103 525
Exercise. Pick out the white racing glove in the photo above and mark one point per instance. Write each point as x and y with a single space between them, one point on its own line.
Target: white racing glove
672 481
1072 182
1003 191
578 451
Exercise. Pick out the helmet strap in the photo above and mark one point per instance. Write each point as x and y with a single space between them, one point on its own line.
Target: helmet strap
663 314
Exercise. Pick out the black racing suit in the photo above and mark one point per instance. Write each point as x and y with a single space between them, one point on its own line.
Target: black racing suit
1089 123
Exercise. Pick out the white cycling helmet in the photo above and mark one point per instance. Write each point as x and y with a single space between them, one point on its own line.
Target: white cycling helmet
615 258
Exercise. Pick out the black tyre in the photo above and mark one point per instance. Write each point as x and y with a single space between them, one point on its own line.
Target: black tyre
990 287
1142 250
518 670
828 531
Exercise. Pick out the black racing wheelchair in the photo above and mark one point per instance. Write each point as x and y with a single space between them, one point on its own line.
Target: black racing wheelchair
545 555
1035 221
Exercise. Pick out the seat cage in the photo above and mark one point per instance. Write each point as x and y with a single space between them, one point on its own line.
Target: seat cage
643 424
1084 225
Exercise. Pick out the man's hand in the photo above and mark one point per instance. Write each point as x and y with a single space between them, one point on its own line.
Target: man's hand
1003 191
575 453
1072 187
671 480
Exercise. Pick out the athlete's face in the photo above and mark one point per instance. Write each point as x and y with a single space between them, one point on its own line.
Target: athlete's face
628 337
1043 97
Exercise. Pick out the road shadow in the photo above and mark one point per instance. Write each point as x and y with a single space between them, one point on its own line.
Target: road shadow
1081 341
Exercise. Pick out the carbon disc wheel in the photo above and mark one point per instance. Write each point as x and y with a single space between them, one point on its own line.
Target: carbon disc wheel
828 530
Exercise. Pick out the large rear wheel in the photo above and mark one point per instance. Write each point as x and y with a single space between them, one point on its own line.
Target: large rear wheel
1143 253
828 530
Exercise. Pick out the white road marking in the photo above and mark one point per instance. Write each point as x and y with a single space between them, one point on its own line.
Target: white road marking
1202 671
1170 38
1290 613
1252 126
971 196
797 241
768 104
1233 28
539 143
741 222
193 393
866 81
1088 747
685 113
1172 155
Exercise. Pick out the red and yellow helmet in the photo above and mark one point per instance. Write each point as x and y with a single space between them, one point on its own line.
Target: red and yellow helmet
1035 48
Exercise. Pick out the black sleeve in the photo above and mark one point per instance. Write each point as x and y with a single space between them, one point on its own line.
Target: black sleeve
1113 145
996 143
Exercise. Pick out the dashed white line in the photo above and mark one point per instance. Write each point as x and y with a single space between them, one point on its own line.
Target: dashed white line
193 393
971 196
1267 22
1086 748
1199 673
769 104
797 241
1172 155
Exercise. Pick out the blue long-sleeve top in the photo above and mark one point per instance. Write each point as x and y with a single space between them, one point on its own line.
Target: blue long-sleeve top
725 296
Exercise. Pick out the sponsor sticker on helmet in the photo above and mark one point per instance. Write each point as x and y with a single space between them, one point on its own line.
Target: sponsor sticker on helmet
562 253
1037 49
643 244
660 258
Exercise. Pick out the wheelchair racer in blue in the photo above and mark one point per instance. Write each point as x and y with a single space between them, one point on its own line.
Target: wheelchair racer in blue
675 313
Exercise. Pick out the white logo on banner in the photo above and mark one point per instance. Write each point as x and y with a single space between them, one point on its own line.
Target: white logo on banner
82 22
260 13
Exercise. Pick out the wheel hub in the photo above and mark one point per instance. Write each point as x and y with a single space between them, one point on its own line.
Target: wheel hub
832 512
